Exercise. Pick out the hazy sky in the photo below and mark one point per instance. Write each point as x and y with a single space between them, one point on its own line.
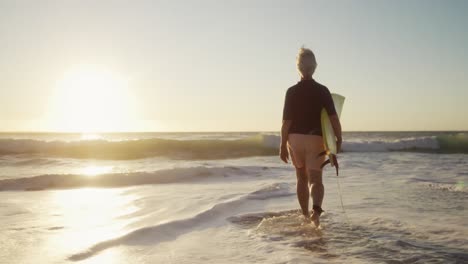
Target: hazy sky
226 65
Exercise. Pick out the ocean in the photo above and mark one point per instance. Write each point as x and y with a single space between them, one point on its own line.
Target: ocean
227 198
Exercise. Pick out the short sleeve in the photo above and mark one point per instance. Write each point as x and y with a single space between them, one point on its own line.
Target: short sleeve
328 103
287 110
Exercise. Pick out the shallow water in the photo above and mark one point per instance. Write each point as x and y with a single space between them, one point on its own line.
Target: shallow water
400 207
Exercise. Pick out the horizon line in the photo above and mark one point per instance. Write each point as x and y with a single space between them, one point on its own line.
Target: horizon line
207 131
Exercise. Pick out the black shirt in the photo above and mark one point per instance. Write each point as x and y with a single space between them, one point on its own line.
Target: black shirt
303 104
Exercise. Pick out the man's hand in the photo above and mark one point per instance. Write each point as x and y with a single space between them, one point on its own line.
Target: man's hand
335 121
284 154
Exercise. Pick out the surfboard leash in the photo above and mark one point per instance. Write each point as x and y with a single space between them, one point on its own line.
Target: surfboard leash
332 159
341 200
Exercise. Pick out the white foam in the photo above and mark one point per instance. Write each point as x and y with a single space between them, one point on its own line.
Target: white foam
458 187
171 230
419 143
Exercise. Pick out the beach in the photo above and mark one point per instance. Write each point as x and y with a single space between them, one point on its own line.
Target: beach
227 198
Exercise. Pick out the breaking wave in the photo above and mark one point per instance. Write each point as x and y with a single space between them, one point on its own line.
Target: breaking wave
260 145
141 148
66 181
457 143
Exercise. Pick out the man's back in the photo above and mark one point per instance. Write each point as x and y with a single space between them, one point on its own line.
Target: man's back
304 102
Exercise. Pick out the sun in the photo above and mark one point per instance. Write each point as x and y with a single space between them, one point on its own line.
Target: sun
91 99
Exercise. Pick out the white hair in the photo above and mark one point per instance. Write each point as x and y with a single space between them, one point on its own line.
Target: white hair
306 63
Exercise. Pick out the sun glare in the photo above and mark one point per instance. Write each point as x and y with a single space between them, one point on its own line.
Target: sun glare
90 136
91 99
96 170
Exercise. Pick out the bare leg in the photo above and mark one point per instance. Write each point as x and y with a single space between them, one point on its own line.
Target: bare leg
303 191
317 192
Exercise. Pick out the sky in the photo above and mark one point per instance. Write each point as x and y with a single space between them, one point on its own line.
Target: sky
226 65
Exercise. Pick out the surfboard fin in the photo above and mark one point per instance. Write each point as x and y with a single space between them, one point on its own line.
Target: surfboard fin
332 159
335 162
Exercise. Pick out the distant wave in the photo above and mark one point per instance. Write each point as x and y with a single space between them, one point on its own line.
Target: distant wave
65 181
171 230
261 145
457 143
425 144
141 148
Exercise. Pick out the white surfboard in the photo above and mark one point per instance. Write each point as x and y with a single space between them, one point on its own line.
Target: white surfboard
328 134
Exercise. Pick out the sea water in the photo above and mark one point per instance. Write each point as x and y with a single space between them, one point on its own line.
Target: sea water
227 198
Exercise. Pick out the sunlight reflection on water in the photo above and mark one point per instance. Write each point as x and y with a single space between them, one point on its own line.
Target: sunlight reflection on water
88 216
88 136
96 170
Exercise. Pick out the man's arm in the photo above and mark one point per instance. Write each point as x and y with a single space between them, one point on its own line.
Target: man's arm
335 121
285 131
284 155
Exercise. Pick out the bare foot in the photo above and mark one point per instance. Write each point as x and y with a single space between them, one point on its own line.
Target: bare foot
315 218
306 219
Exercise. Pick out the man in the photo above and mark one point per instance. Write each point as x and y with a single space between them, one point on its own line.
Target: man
301 133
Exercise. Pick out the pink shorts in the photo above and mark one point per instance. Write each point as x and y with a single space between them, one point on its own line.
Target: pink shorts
304 149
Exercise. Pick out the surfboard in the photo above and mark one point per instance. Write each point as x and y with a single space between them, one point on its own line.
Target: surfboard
328 134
